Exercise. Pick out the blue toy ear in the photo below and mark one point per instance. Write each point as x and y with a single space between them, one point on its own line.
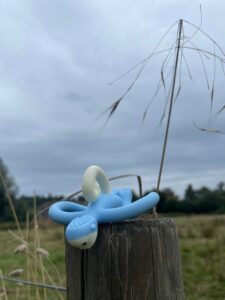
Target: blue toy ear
125 194
64 211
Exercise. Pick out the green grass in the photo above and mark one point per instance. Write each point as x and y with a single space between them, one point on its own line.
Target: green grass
51 239
202 244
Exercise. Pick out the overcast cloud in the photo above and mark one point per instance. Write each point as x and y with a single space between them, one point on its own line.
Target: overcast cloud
56 59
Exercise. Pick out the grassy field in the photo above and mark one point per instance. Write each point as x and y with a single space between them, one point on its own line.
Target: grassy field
50 239
202 244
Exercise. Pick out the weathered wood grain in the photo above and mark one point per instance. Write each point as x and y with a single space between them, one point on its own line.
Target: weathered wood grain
132 260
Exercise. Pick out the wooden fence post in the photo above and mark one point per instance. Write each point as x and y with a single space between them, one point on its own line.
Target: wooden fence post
132 260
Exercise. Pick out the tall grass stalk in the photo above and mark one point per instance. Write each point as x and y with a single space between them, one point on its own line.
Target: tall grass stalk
182 44
3 287
34 261
17 293
171 104
35 248
27 253
11 204
38 245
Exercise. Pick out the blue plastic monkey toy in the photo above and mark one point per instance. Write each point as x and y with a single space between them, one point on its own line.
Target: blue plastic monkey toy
105 206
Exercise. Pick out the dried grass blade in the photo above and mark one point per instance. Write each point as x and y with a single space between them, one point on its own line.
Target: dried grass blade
202 61
187 66
177 93
163 114
214 78
163 81
204 68
203 51
222 67
211 98
155 95
139 63
220 110
207 35
210 130
197 28
145 113
164 65
165 108
200 54
145 60
112 108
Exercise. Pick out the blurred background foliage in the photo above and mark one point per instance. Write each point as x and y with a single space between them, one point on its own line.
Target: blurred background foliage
195 201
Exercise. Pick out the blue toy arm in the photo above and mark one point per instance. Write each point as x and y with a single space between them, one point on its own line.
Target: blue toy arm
64 211
128 211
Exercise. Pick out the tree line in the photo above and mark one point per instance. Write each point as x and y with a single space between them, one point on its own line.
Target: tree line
195 201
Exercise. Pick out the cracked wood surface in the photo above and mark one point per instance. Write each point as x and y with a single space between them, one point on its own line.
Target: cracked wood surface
132 260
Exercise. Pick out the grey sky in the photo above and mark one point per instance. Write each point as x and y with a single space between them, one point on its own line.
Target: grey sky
56 59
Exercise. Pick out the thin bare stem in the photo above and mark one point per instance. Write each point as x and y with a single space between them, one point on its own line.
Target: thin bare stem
171 104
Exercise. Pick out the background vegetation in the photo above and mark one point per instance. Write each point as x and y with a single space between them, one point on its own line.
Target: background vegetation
198 201
202 245
35 247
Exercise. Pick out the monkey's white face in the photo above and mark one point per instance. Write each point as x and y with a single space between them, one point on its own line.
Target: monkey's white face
84 242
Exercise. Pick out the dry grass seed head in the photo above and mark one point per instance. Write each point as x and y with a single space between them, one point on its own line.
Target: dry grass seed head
22 248
43 252
16 272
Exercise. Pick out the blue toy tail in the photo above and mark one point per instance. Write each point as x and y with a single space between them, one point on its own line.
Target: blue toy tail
129 211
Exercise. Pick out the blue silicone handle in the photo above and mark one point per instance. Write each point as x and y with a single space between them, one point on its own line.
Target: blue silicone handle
128 211
65 211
